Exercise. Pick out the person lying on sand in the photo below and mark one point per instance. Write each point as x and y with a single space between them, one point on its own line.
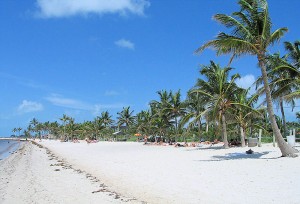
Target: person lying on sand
181 145
75 140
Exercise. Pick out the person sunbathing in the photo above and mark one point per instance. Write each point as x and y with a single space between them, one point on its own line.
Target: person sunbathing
87 140
179 145
75 140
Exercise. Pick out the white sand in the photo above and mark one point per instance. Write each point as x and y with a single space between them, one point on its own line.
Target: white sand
165 174
33 176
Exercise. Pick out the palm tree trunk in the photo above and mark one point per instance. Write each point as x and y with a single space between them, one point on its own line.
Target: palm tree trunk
286 150
283 116
199 129
224 132
206 120
176 129
242 136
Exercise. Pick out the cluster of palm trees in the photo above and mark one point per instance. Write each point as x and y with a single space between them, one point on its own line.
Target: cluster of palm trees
216 107
251 34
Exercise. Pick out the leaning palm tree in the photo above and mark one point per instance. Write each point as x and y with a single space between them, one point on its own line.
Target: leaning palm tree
251 34
219 91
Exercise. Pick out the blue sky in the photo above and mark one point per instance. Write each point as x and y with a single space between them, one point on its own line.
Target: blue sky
87 56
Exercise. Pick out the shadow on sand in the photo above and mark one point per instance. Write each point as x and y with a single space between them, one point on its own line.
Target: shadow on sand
206 148
239 156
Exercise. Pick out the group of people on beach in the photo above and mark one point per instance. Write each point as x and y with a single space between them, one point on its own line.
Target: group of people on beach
178 144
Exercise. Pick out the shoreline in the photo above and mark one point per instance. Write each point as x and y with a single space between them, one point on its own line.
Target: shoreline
136 173
9 149
33 174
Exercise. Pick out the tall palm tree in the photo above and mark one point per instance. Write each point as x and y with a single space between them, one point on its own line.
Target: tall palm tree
220 92
144 121
163 118
33 124
195 108
106 118
293 56
71 127
251 34
54 128
281 84
64 119
126 117
14 130
174 108
19 130
98 125
244 112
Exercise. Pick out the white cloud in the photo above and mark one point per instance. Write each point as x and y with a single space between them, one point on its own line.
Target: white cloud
58 100
246 81
64 8
29 106
74 104
125 43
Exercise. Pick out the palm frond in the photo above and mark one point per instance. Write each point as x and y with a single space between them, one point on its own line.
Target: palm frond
277 35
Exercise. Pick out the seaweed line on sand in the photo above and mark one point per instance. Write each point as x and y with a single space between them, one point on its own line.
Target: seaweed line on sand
102 186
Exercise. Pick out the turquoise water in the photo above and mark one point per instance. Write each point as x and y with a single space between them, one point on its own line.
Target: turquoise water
7 147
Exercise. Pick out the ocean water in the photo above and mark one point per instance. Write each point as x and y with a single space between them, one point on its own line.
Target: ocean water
7 147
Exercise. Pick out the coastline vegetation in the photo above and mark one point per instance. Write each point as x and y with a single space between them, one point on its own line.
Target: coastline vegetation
216 107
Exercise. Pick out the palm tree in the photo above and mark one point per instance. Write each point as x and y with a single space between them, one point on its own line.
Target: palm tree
106 118
293 56
19 130
98 125
293 52
64 119
71 127
14 130
251 34
281 84
298 115
33 124
195 108
244 112
219 92
126 117
174 108
54 128
144 121
163 119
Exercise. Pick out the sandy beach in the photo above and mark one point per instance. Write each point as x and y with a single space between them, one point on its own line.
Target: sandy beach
115 172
